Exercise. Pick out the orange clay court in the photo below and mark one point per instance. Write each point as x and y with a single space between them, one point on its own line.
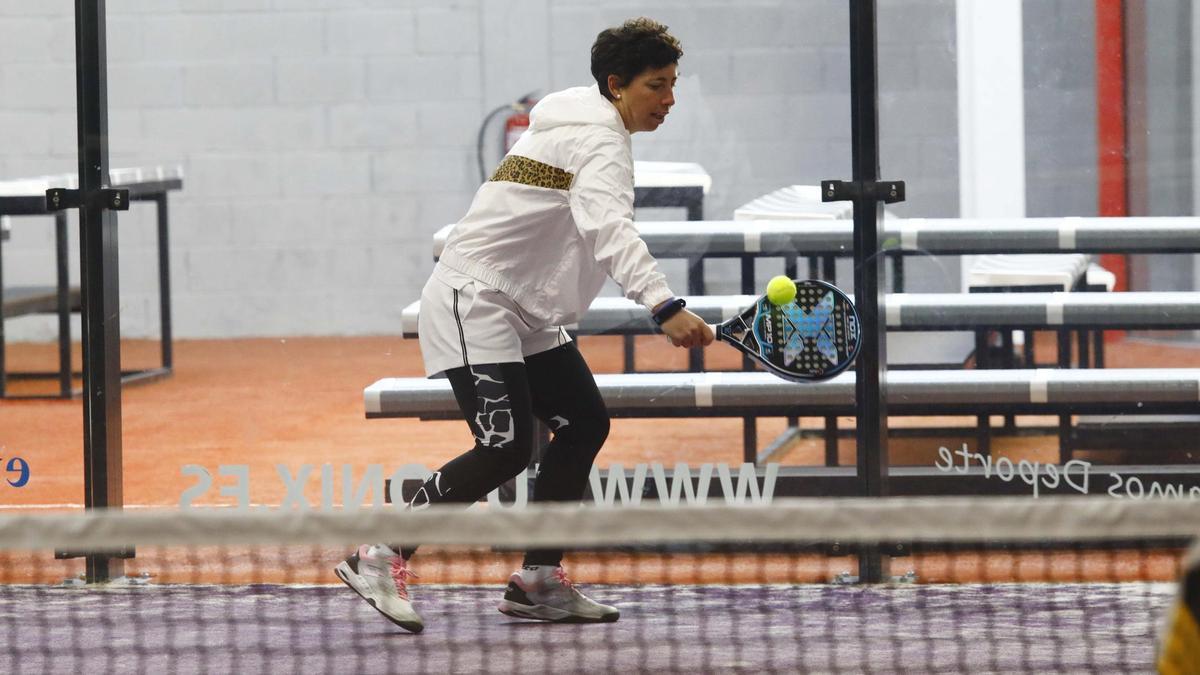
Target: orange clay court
294 401
266 402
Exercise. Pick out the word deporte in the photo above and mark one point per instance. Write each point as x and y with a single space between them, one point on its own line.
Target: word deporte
1075 476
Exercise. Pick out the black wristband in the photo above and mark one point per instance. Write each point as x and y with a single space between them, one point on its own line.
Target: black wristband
669 309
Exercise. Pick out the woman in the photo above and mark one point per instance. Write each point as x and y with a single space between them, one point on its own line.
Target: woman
533 251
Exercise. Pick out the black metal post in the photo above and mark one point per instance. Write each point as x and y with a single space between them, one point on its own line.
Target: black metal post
791 266
870 389
98 277
164 283
695 204
63 304
749 422
695 211
983 423
695 288
1064 421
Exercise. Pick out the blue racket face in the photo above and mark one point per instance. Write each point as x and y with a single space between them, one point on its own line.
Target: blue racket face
813 337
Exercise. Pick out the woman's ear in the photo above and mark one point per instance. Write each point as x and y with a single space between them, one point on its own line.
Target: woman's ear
614 83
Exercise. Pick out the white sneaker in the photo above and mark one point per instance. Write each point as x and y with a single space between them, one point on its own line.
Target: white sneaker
380 576
545 593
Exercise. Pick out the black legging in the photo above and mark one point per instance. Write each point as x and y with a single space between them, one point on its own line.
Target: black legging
497 400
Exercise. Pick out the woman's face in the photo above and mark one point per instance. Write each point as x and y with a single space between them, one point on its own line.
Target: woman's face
645 101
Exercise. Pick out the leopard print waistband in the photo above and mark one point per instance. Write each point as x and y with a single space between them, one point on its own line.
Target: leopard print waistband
517 169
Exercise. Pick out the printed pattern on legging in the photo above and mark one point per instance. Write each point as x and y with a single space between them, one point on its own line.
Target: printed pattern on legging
422 498
493 418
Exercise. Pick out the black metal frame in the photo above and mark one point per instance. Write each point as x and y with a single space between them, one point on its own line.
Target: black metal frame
99 285
867 195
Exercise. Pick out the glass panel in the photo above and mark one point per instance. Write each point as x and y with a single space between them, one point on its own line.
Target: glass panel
296 168
1071 122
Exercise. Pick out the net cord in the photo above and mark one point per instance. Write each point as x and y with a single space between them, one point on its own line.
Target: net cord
783 520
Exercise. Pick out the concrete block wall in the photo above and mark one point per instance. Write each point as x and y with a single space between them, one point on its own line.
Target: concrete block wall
1060 109
324 141
1166 176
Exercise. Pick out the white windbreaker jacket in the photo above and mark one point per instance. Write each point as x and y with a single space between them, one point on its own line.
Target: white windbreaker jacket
556 218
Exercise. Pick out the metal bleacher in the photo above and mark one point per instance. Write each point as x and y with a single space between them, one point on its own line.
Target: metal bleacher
679 395
1126 395
915 323
914 236
926 312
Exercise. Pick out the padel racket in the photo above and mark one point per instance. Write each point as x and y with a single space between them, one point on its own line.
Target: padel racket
813 337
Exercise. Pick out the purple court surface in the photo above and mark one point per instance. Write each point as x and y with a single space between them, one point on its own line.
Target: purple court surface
803 628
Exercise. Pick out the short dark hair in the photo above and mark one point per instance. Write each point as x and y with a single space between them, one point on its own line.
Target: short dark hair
631 49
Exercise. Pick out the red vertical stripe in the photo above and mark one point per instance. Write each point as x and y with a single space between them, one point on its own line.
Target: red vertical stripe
1110 122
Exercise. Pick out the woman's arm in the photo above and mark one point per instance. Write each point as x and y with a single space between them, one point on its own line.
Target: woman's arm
601 199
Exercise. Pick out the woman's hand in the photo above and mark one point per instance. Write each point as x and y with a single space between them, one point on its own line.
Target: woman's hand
687 330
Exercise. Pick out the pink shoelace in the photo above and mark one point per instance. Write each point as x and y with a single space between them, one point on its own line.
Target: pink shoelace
400 575
561 575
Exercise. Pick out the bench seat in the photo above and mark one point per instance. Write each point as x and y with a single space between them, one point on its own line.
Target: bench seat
1061 271
921 325
951 236
927 312
913 392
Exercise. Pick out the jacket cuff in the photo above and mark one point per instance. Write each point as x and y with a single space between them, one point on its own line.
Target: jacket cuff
655 296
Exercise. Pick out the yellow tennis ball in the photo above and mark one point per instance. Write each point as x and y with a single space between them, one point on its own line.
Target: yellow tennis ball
781 290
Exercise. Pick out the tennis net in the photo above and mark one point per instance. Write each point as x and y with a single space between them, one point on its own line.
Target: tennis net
976 585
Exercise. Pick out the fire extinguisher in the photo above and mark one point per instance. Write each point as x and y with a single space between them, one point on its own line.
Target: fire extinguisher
514 125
